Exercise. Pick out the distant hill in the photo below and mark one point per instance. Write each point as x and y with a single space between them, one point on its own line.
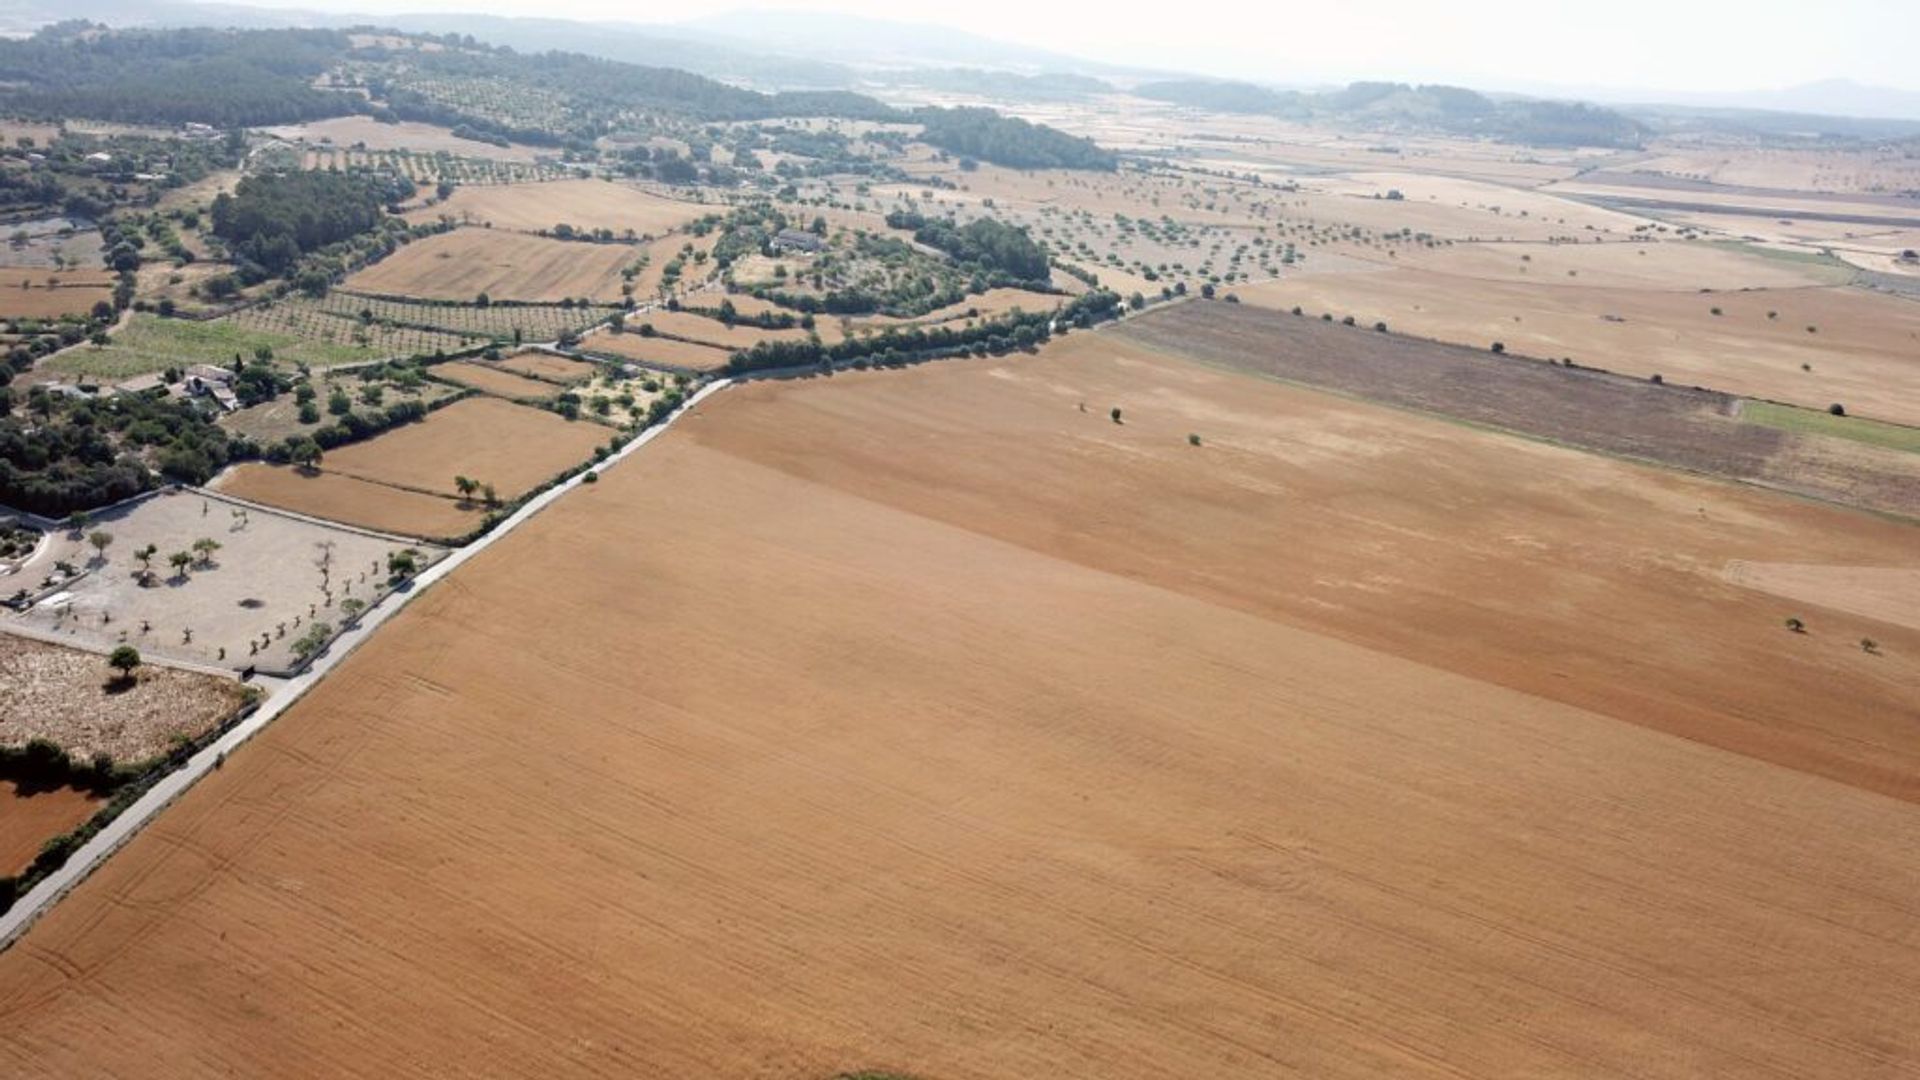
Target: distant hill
1012 86
1828 97
883 43
1392 105
627 42
1218 96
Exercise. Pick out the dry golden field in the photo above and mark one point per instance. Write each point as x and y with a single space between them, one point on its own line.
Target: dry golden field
351 501
513 447
1863 351
489 377
350 131
40 293
462 264
979 736
29 819
540 365
582 204
658 350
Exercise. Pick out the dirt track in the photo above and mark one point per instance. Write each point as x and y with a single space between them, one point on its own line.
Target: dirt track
936 724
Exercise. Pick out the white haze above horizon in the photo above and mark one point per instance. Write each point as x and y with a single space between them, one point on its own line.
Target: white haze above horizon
1692 46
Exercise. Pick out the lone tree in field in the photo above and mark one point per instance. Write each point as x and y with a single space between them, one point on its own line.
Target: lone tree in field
101 540
204 548
1114 413
1795 624
1868 645
1193 440
180 560
145 555
466 486
124 659
1499 347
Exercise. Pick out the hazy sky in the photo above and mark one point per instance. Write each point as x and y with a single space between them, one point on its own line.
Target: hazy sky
1694 45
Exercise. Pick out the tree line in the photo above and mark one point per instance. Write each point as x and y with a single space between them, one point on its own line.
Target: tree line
1015 330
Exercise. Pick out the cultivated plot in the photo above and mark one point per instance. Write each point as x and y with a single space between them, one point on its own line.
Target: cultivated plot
462 264
512 447
579 205
1239 759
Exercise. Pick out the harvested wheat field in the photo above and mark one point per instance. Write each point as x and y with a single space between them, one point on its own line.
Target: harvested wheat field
332 497
544 365
370 134
513 447
584 205
462 264
39 293
666 352
979 736
487 376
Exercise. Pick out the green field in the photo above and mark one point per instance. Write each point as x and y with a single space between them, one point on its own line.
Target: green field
1871 432
149 343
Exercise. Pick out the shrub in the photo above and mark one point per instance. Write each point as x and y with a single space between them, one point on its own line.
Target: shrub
124 659
1114 413
1837 409
1499 347
1795 624
1193 440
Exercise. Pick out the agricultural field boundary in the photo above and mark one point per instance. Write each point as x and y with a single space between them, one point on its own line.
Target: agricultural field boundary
83 862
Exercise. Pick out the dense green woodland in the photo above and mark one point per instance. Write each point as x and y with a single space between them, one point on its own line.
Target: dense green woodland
213 77
59 454
230 78
1009 140
985 245
274 218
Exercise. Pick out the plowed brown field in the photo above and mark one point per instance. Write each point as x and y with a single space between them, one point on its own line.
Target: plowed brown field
979 736
28 821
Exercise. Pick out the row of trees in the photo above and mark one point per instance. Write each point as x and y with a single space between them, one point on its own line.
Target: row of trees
1017 329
